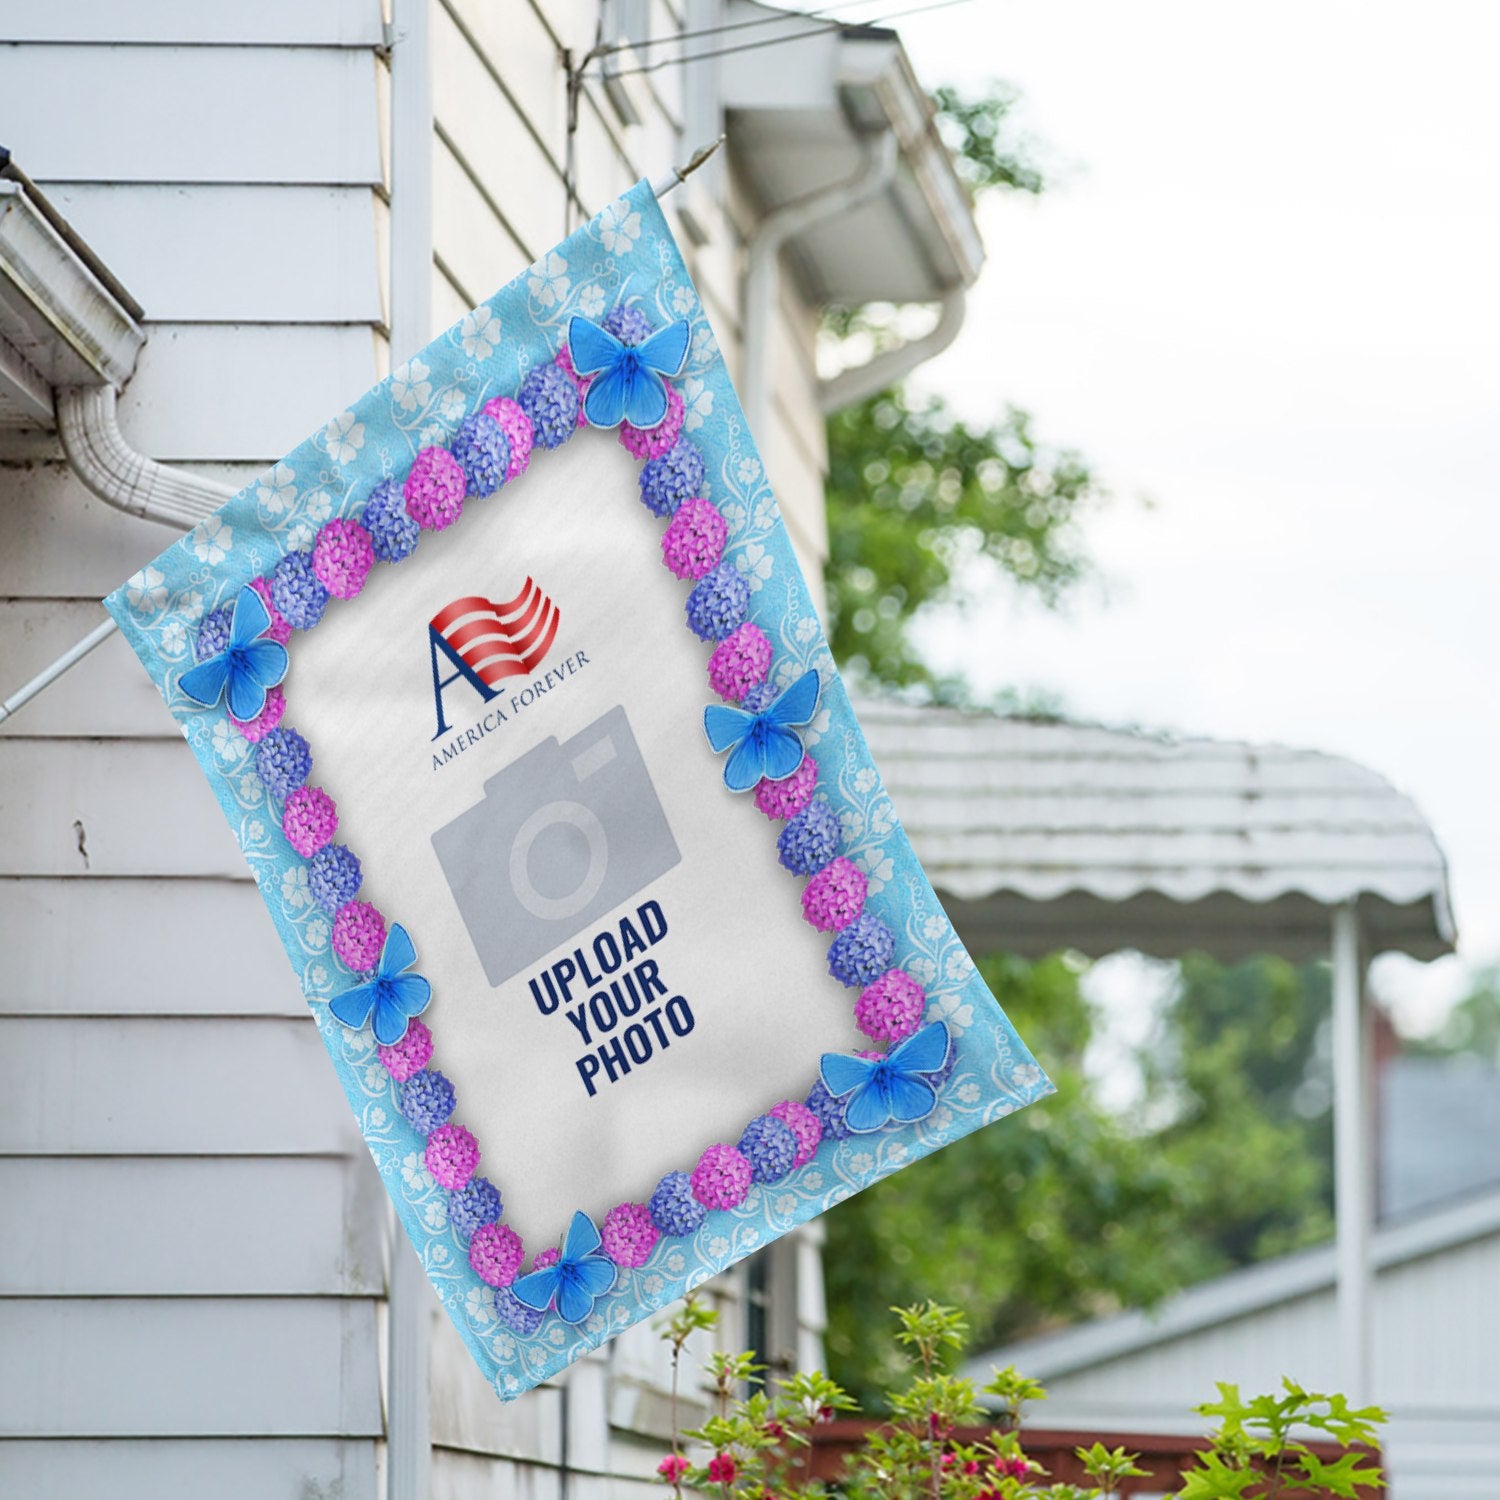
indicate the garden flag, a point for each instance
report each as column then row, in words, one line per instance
column 514, row 696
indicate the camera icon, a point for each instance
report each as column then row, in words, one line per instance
column 564, row 834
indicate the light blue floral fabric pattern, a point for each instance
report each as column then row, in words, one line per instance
column 626, row 253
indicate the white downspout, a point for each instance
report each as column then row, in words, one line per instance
column 762, row 268
column 863, row 381
column 99, row 455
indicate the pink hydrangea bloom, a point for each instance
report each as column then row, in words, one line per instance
column 309, row 820
column 410, row 1055
column 652, row 442
column 278, row 630
column 835, row 896
column 564, row 362
column 628, row 1234
column 452, row 1155
column 722, row 1178
column 890, row 1010
column 256, row 729
column 358, row 935
column 693, row 544
column 435, row 489
column 739, row 661
column 516, row 425
column 496, row 1254
column 787, row 797
column 544, row 1258
column 806, row 1126
column 342, row 558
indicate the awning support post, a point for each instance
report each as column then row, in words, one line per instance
column 1352, row 1171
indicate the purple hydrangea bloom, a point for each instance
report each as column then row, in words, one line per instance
column 515, row 1314
column 394, row 534
column 283, row 761
column 549, row 397
column 770, row 1146
column 810, row 839
column 427, row 1100
column 830, row 1110
column 862, row 952
column 477, row 1204
column 483, row 451
column 334, row 876
column 628, row 324
column 759, row 698
column 718, row 603
column 673, row 1208
column 673, row 478
column 213, row 633
column 296, row 591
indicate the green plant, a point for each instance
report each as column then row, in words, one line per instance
column 931, row 1446
column 1253, row 1450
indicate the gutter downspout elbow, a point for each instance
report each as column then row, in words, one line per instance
column 120, row 476
column 762, row 269
column 852, row 386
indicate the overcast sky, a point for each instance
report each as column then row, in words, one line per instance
column 1264, row 294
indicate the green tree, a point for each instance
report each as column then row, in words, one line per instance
column 926, row 509
column 1071, row 1211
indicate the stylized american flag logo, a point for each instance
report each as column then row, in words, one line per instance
column 500, row 640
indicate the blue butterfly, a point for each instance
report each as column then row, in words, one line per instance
column 763, row 744
column 891, row 1087
column 247, row 667
column 577, row 1279
column 627, row 384
column 393, row 996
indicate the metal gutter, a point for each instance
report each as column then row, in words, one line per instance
column 763, row 270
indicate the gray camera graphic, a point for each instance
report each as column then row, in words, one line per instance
column 563, row 835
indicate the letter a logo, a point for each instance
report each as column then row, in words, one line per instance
column 485, row 642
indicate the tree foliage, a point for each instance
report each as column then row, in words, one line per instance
column 1070, row 1211
column 917, row 498
column 926, row 508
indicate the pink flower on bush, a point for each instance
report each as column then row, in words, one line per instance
column 410, row 1055
column 435, row 489
column 673, row 1467
column 786, row 798
column 342, row 558
column 693, row 544
column 722, row 1178
column 722, row 1469
column 358, row 935
column 835, row 896
column 452, row 1155
column 309, row 820
column 739, row 661
column 628, row 1235
column 890, row 1010
column 496, row 1254
column 652, row 442
column 256, row 729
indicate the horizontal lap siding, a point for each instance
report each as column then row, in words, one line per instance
column 192, row 1261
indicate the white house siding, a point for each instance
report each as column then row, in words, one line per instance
column 194, row 1248
column 1436, row 1364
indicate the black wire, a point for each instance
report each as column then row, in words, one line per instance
column 776, row 41
column 688, row 36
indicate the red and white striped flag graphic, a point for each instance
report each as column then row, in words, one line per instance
column 500, row 640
